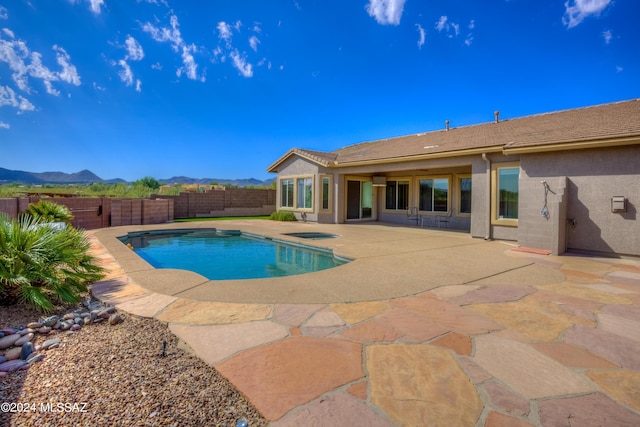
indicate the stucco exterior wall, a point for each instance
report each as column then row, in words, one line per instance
column 593, row 177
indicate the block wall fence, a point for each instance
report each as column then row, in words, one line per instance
column 101, row 212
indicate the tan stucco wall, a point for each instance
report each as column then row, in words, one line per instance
column 592, row 178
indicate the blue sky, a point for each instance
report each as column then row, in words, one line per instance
column 222, row 89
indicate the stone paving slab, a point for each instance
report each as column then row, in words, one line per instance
column 527, row 371
column 421, row 385
column 147, row 305
column 619, row 350
column 622, row 385
column 218, row 342
column 207, row 312
column 338, row 410
column 592, row 410
column 281, row 376
column 620, row 326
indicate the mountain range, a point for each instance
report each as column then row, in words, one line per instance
column 8, row 176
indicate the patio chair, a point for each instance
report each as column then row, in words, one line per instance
column 412, row 214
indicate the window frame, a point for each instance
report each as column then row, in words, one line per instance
column 459, row 178
column 283, row 192
column 495, row 194
column 295, row 179
column 307, row 190
column 433, row 212
column 406, row 180
column 329, row 193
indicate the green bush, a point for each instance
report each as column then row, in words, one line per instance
column 40, row 263
column 283, row 216
column 50, row 212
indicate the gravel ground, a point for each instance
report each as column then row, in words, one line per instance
column 116, row 376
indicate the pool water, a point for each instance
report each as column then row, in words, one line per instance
column 226, row 255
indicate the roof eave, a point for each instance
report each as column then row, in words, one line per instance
column 439, row 155
column 299, row 153
column 574, row 145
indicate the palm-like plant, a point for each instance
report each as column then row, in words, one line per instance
column 50, row 212
column 40, row 263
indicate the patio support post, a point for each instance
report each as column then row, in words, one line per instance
column 487, row 234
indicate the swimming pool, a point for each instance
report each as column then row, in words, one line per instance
column 228, row 254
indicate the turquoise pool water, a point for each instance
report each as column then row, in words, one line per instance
column 225, row 255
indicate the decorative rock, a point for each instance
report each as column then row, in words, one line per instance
column 24, row 339
column 12, row 365
column 85, row 315
column 75, row 327
column 44, row 330
column 1, row 334
column 8, row 341
column 68, row 316
column 50, row 321
column 48, row 343
column 8, row 331
column 2, row 358
column 78, row 321
column 35, row 325
column 26, row 350
column 26, row 331
column 66, row 325
column 13, row 353
column 35, row 357
column 98, row 320
column 115, row 319
column 106, row 313
column 57, row 325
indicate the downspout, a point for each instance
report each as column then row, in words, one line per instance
column 487, row 234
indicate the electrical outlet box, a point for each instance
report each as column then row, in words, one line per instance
column 618, row 204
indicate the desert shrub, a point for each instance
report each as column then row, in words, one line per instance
column 40, row 263
column 283, row 216
column 47, row 211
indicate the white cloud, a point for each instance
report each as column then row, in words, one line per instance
column 94, row 5
column 3, row 13
column 138, row 85
column 580, row 9
column 441, row 24
column 134, row 49
column 9, row 33
column 4, row 125
column 25, row 64
column 156, row 66
column 472, row 24
column 254, row 42
column 386, row 11
column 69, row 72
column 9, row 98
column 422, row 36
column 607, row 36
column 241, row 64
column 173, row 36
column 619, row 69
column 126, row 75
column 224, row 31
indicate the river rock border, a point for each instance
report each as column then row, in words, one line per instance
column 17, row 351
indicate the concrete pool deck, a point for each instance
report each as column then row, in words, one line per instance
column 423, row 327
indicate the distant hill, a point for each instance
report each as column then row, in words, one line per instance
column 39, row 178
column 220, row 181
column 8, row 176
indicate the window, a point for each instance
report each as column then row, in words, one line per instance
column 397, row 195
column 508, row 193
column 434, row 195
column 286, row 193
column 464, row 188
column 305, row 192
column 504, row 193
column 326, row 187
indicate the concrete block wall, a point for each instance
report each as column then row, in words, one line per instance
column 223, row 202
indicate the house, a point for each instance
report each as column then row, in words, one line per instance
column 555, row 181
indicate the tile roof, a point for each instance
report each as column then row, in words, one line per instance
column 554, row 130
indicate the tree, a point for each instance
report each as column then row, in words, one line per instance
column 148, row 182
